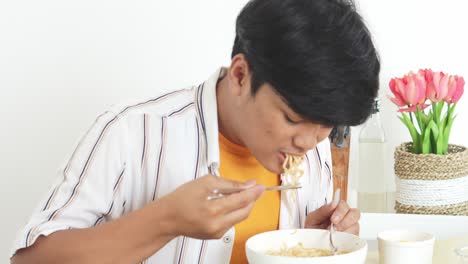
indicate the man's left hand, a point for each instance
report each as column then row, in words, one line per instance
column 344, row 218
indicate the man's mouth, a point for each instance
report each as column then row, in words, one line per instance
column 282, row 157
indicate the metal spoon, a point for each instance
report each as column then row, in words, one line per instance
column 334, row 249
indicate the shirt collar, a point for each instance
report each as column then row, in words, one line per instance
column 208, row 111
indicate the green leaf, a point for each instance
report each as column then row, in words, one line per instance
column 434, row 128
column 451, row 110
column 446, row 135
column 430, row 138
column 422, row 126
column 440, row 141
column 444, row 119
column 426, row 142
column 434, row 111
column 429, row 117
column 440, row 105
column 413, row 132
column 448, row 127
column 426, row 118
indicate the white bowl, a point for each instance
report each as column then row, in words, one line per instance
column 257, row 246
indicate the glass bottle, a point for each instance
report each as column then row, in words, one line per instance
column 373, row 186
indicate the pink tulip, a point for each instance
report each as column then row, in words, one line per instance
column 409, row 90
column 459, row 89
column 398, row 100
column 431, row 92
column 438, row 85
column 451, row 87
column 420, row 83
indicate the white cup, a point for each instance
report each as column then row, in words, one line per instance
column 405, row 246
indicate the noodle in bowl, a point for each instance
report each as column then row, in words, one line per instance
column 301, row 246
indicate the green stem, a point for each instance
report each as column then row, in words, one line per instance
column 440, row 106
column 448, row 127
column 431, row 135
column 411, row 116
column 434, row 111
column 413, row 132
column 440, row 141
column 422, row 126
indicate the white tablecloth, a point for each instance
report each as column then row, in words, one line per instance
column 450, row 232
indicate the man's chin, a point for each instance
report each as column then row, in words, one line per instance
column 278, row 169
column 272, row 166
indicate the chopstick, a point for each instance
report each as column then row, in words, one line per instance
column 224, row 192
column 283, row 187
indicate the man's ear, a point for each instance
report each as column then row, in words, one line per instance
column 239, row 75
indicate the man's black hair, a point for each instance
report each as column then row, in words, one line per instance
column 317, row 54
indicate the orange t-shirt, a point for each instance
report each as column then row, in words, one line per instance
column 237, row 163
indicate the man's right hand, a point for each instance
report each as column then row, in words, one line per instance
column 130, row 239
column 193, row 215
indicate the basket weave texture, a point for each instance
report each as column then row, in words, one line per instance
column 431, row 167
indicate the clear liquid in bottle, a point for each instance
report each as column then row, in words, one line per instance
column 373, row 192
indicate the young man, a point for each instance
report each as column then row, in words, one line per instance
column 136, row 187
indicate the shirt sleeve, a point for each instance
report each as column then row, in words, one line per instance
column 85, row 187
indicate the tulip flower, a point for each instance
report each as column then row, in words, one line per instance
column 451, row 86
column 409, row 90
column 430, row 130
column 458, row 90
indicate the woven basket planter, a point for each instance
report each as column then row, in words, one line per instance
column 431, row 184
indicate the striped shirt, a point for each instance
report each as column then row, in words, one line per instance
column 135, row 154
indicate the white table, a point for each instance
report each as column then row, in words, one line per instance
column 450, row 232
column 372, row 257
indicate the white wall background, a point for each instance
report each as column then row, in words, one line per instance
column 411, row 35
column 64, row 62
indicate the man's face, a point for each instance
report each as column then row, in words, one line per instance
column 270, row 129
